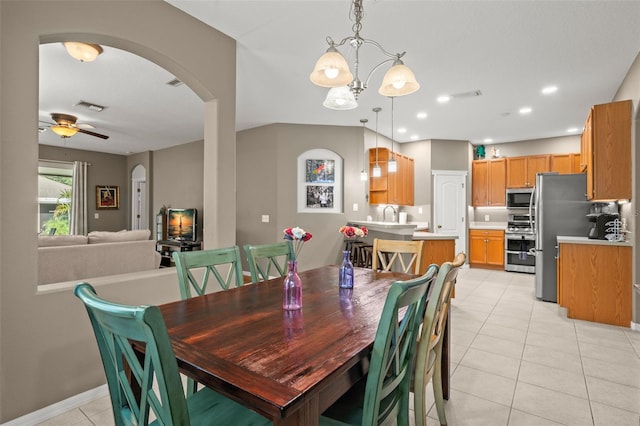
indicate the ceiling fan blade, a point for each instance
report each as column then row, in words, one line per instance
column 87, row 132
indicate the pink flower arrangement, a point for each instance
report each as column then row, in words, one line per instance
column 353, row 231
column 299, row 236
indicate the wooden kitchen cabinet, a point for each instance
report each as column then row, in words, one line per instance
column 488, row 180
column 566, row 163
column 486, row 248
column 391, row 188
column 594, row 282
column 521, row 171
column 606, row 151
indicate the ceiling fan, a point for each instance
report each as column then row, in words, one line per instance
column 65, row 126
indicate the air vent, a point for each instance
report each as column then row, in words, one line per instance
column 470, row 94
column 89, row 105
column 175, row 82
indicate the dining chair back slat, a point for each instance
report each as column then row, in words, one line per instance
column 386, row 391
column 224, row 264
column 389, row 255
column 429, row 350
column 267, row 261
column 152, row 377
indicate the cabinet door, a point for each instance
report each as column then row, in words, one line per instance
column 495, row 248
column 562, row 163
column 536, row 164
column 517, row 172
column 611, row 156
column 410, row 181
column 576, row 166
column 497, row 182
column 477, row 247
column 480, row 183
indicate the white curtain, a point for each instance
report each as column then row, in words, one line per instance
column 78, row 222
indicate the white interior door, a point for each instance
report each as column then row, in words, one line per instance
column 139, row 198
column 449, row 205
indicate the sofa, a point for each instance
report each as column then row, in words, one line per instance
column 100, row 253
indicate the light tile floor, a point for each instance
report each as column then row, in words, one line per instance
column 516, row 361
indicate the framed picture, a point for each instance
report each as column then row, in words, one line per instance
column 319, row 182
column 107, row 197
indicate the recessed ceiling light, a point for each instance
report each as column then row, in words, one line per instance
column 402, row 130
column 487, row 140
column 525, row 110
column 414, row 137
column 444, row 98
column 549, row 90
column 572, row 129
column 421, row 115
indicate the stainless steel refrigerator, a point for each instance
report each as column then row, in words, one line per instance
column 561, row 207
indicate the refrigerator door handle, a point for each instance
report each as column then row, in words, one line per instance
column 557, row 252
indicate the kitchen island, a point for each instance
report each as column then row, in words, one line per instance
column 594, row 280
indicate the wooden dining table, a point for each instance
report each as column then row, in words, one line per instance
column 288, row 366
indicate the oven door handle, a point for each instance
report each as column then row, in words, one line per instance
column 528, row 253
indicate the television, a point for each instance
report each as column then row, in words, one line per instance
column 181, row 224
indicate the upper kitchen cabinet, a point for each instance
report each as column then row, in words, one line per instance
column 488, row 178
column 606, row 151
column 521, row 171
column 566, row 163
column 391, row 188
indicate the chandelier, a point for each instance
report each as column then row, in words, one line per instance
column 332, row 69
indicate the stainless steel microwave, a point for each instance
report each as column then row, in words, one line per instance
column 519, row 198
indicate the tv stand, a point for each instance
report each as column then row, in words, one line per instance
column 167, row 247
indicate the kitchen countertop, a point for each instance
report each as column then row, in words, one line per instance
column 585, row 240
column 390, row 227
column 497, row 226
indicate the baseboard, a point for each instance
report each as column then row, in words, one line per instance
column 58, row 408
column 635, row 326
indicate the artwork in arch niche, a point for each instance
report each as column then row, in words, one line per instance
column 182, row 224
column 319, row 182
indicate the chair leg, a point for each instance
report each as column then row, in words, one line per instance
column 437, row 390
column 419, row 403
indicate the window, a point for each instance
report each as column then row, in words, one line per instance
column 54, row 197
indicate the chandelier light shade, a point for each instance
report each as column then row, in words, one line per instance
column 364, row 176
column 399, row 81
column 64, row 131
column 340, row 98
column 83, row 52
column 332, row 69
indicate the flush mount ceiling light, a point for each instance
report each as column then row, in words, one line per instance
column 83, row 52
column 332, row 69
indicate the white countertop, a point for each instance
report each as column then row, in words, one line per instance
column 390, row 227
column 585, row 240
column 498, row 226
column 419, row 235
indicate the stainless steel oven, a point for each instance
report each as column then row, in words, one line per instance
column 519, row 252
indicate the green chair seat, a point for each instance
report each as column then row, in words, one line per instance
column 156, row 374
column 384, row 395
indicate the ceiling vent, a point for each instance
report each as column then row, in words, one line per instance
column 89, row 105
column 175, row 82
column 470, row 94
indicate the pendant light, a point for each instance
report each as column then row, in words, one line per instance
column 392, row 166
column 377, row 172
column 364, row 176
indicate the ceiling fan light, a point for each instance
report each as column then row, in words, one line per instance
column 64, row 131
column 83, row 52
column 398, row 81
column 340, row 98
column 331, row 70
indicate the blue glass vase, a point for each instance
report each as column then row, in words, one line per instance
column 346, row 271
column 292, row 288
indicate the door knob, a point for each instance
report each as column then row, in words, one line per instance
column 439, row 226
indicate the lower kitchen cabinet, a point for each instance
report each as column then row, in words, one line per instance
column 486, row 248
column 594, row 282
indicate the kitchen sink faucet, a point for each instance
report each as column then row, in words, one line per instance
column 384, row 214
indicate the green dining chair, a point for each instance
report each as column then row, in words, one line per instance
column 384, row 395
column 216, row 262
column 268, row 260
column 156, row 375
column 429, row 350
